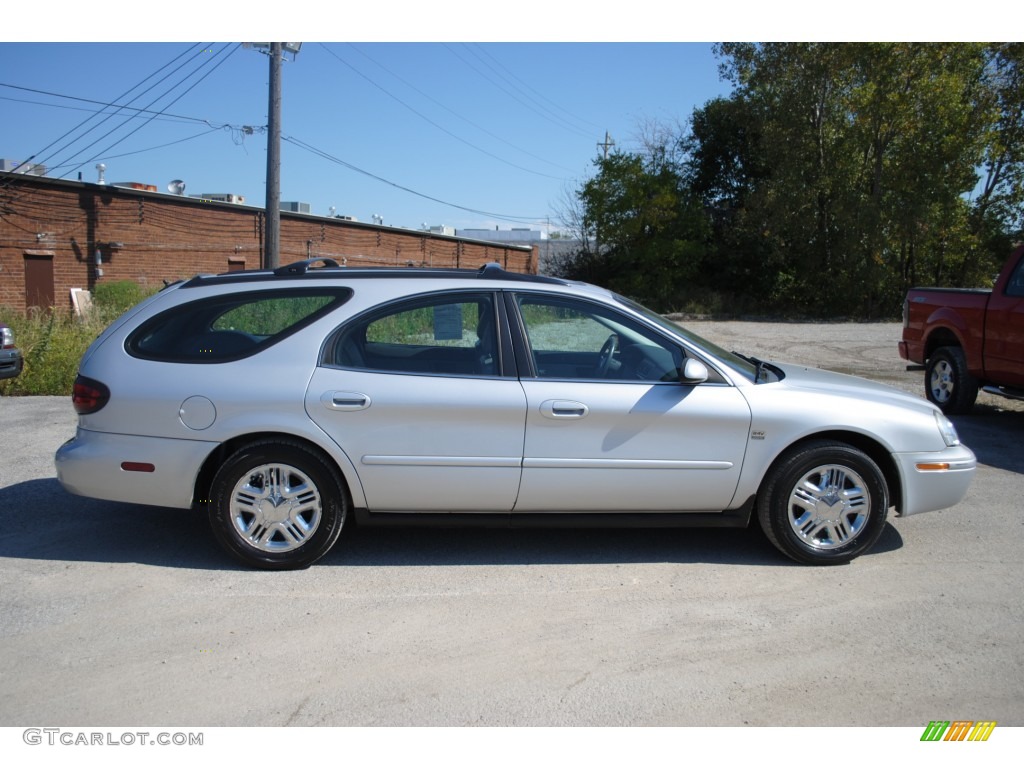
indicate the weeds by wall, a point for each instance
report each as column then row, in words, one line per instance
column 53, row 342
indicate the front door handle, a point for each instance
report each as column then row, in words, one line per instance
column 563, row 409
column 345, row 401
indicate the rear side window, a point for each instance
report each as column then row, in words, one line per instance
column 233, row 326
column 445, row 335
column 1015, row 286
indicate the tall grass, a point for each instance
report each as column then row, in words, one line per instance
column 53, row 342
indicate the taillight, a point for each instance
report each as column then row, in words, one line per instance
column 89, row 395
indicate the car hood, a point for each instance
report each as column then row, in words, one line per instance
column 802, row 377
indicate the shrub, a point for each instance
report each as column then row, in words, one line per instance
column 53, row 342
column 113, row 299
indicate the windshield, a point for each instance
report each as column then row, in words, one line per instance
column 737, row 363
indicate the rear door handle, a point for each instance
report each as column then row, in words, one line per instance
column 563, row 409
column 345, row 401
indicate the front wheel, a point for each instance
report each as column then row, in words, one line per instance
column 823, row 503
column 947, row 382
column 277, row 505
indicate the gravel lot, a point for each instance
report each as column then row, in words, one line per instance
column 115, row 614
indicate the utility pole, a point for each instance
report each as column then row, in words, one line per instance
column 608, row 144
column 272, row 214
column 272, row 244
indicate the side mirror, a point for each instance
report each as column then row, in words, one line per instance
column 693, row 372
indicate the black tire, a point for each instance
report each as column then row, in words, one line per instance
column 947, row 382
column 823, row 503
column 277, row 505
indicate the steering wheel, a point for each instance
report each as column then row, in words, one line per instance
column 609, row 349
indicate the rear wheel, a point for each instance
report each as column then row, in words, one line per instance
column 823, row 503
column 277, row 505
column 947, row 381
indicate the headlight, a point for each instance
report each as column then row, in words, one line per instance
column 947, row 430
column 6, row 337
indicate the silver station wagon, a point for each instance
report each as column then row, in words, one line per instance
column 289, row 403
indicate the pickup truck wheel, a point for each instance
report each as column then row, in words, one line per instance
column 947, row 381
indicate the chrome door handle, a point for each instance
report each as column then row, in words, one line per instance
column 345, row 401
column 563, row 409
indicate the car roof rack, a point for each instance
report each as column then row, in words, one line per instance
column 331, row 269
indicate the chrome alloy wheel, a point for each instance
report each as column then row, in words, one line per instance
column 941, row 382
column 829, row 506
column 275, row 508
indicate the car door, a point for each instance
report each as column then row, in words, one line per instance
column 1004, row 332
column 415, row 394
column 609, row 427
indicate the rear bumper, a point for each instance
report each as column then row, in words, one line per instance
column 913, row 352
column 934, row 481
column 90, row 464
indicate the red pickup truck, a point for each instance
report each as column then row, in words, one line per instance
column 967, row 338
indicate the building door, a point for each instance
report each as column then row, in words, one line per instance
column 39, row 290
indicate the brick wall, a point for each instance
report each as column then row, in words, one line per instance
column 150, row 237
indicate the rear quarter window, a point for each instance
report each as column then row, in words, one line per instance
column 233, row 326
column 1015, row 285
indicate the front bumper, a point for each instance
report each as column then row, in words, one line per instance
column 11, row 363
column 936, row 480
column 91, row 464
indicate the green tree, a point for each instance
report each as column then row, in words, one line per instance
column 866, row 154
column 645, row 231
column 997, row 213
column 834, row 177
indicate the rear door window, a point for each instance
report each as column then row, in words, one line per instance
column 445, row 335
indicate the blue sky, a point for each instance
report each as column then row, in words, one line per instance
column 418, row 125
column 499, row 128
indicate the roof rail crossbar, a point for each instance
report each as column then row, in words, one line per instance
column 491, row 269
column 301, row 267
column 494, row 271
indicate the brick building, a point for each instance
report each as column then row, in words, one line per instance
column 58, row 235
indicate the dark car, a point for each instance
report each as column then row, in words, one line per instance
column 11, row 361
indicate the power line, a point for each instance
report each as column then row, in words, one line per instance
column 99, row 112
column 436, row 125
column 456, row 114
column 533, row 90
column 238, row 132
column 107, row 104
column 327, row 156
column 529, row 104
column 157, row 114
column 207, row 132
column 174, row 101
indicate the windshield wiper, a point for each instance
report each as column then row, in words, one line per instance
column 758, row 365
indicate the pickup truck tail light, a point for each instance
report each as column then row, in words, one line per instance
column 89, row 395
